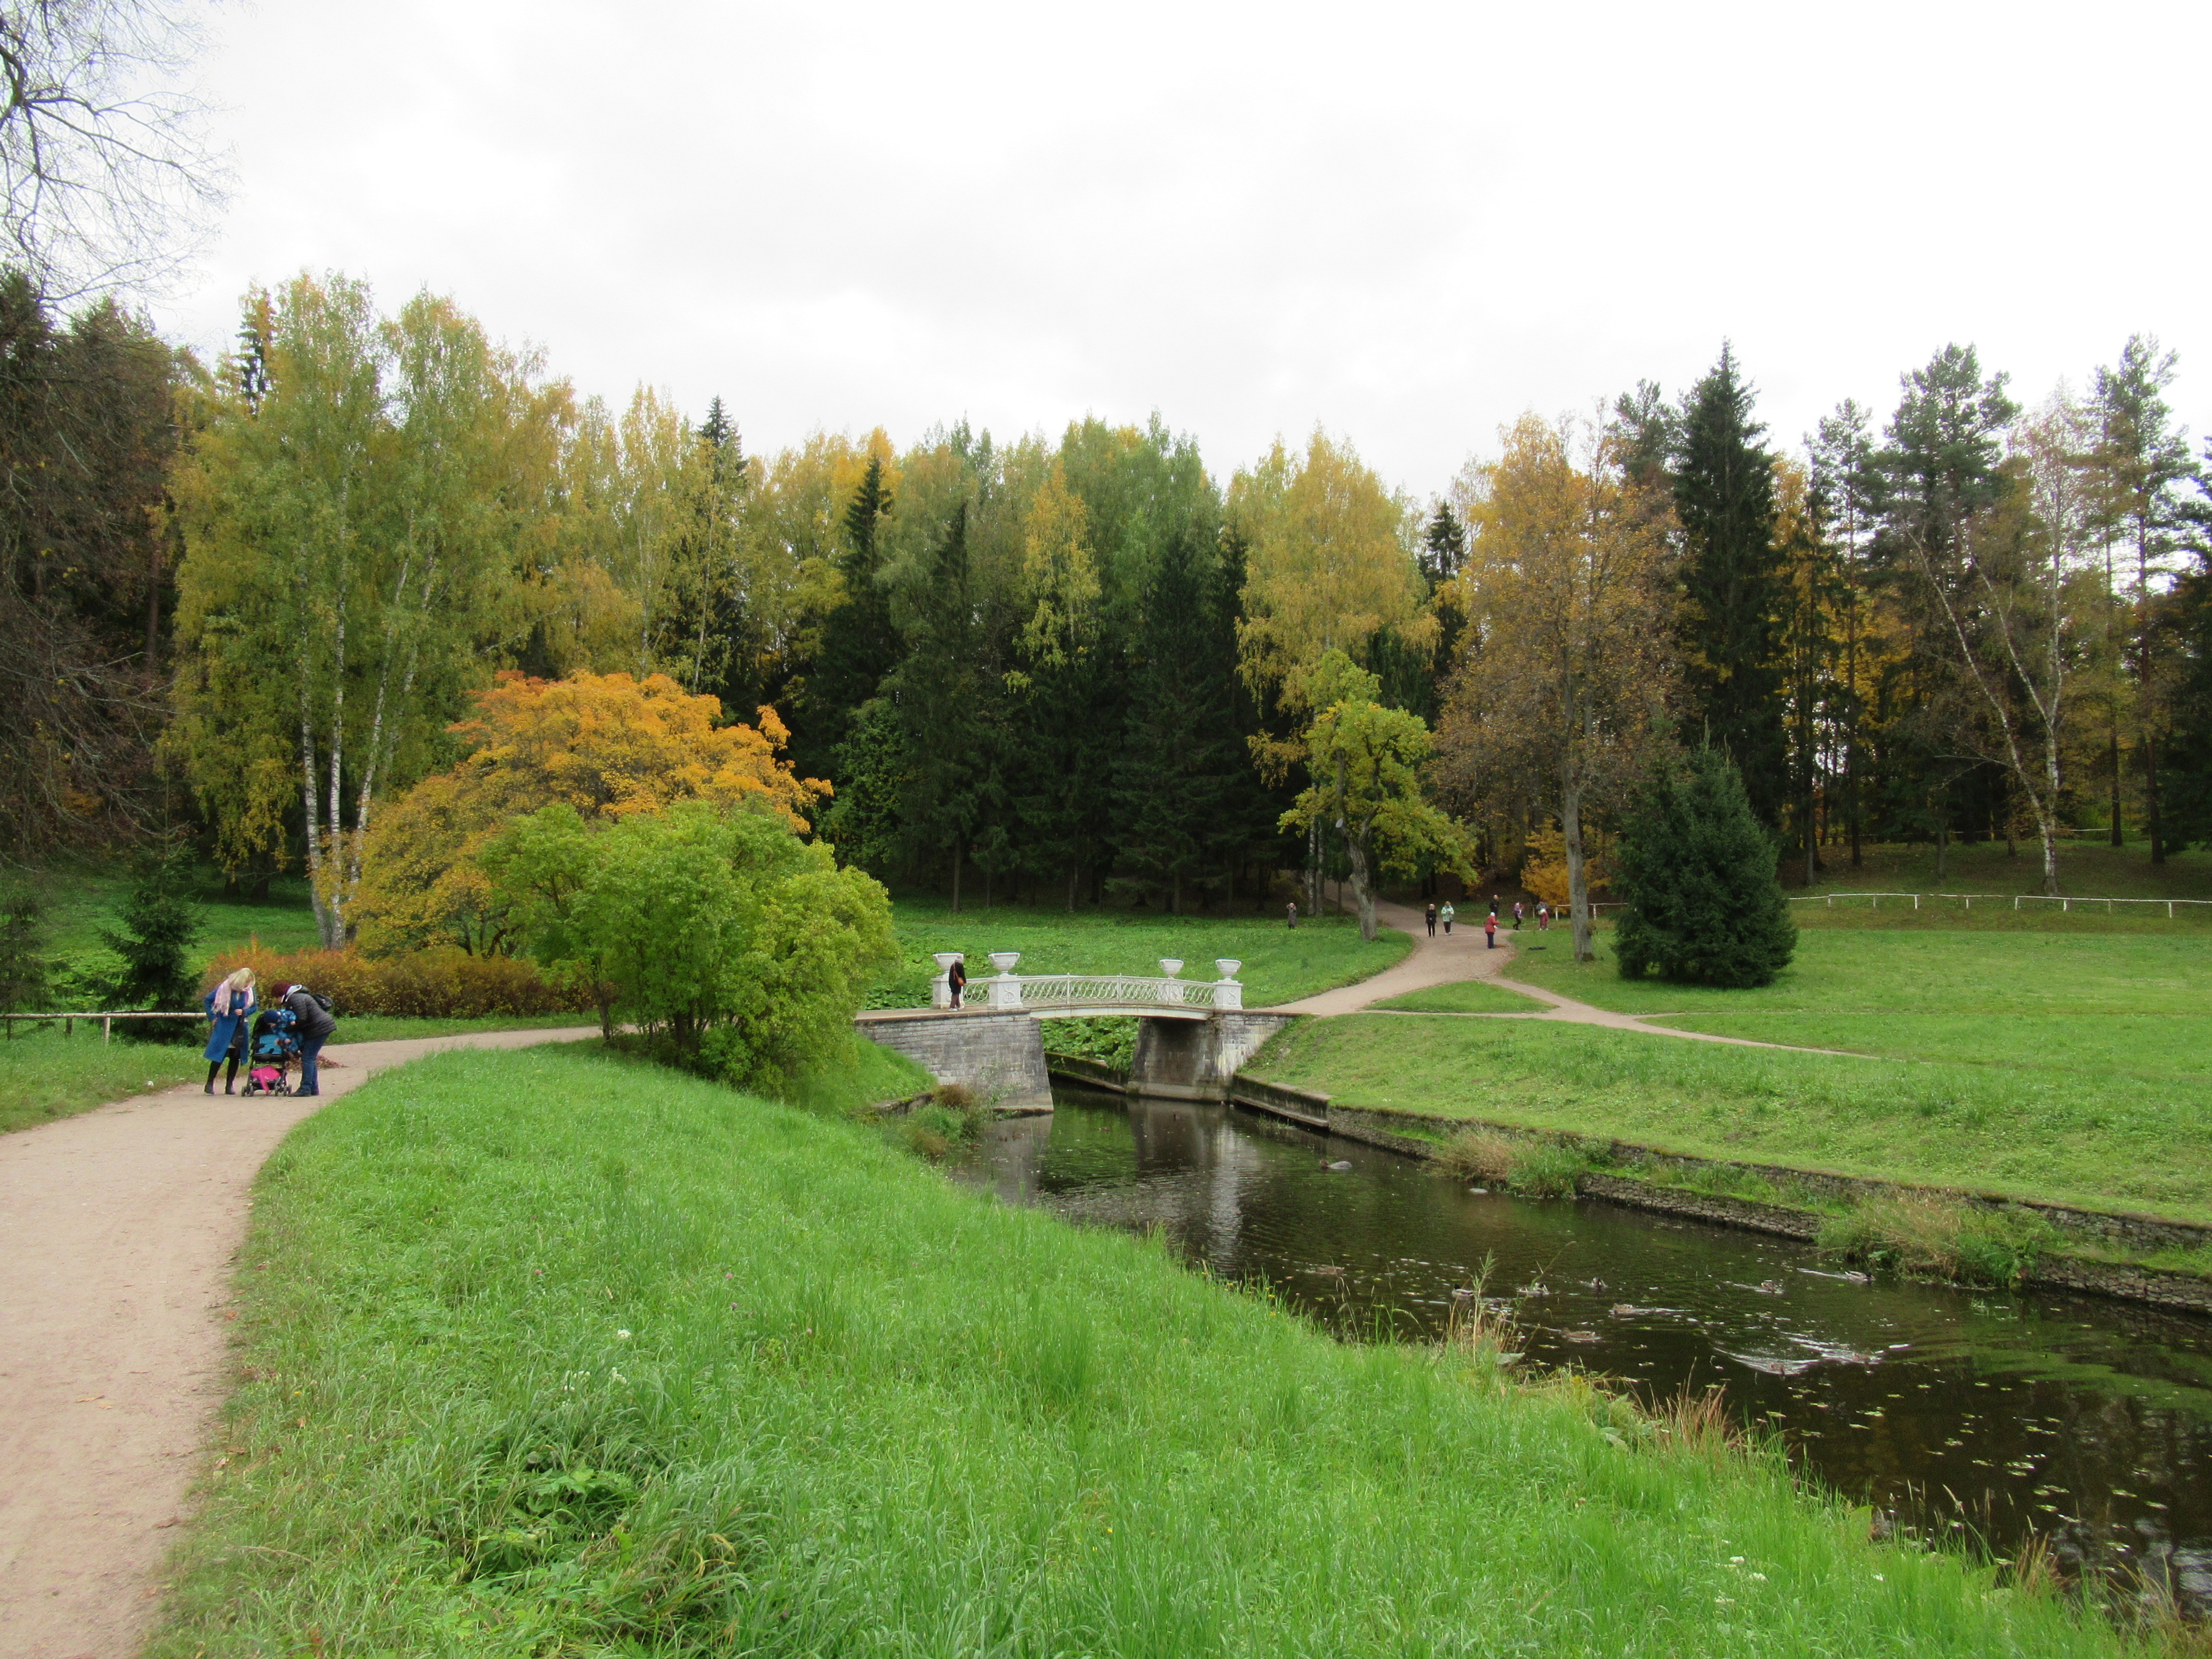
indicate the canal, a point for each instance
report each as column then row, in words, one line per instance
column 2085, row 1421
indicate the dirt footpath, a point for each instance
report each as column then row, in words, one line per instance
column 117, row 1230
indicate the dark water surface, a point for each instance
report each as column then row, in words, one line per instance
column 2085, row 1420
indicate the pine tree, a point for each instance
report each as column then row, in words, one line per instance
column 25, row 972
column 1696, row 869
column 1733, row 584
column 1178, row 761
column 938, row 692
column 860, row 643
column 1443, row 546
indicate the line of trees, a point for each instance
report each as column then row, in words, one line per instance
column 256, row 596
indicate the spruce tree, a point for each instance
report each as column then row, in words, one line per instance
column 160, row 923
column 1179, row 757
column 1733, row 587
column 1697, row 869
column 860, row 643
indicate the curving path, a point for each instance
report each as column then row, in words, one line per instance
column 1461, row 956
column 117, row 1230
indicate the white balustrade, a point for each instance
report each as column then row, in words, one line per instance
column 1011, row 993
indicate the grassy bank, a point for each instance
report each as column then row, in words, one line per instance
column 1281, row 963
column 45, row 1074
column 2074, row 1136
column 548, row 1352
column 2115, row 1015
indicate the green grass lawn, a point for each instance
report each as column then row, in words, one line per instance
column 1470, row 996
column 1281, row 963
column 545, row 1353
column 2087, row 866
column 2032, row 1128
column 45, row 1074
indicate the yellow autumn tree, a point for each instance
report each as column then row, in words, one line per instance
column 1329, row 562
column 606, row 744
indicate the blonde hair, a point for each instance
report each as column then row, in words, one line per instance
column 235, row 991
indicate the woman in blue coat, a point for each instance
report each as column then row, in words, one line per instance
column 228, row 1007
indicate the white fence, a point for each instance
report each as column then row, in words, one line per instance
column 1012, row 992
column 2063, row 901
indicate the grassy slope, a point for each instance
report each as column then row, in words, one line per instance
column 548, row 1353
column 1281, row 965
column 1472, row 996
column 2028, row 1131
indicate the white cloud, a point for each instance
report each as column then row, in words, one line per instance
column 1409, row 222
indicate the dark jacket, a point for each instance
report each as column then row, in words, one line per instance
column 315, row 1021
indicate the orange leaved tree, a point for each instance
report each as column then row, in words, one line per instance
column 606, row 744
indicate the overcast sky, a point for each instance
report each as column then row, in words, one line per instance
column 1406, row 222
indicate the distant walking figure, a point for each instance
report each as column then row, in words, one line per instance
column 1444, row 915
column 955, row 981
column 1489, row 932
column 1516, row 915
column 1543, row 918
column 1294, row 912
column 1432, row 918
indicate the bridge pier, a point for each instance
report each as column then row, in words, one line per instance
column 1197, row 1059
column 1000, row 1057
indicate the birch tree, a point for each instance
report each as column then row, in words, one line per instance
column 350, row 516
column 2013, row 584
column 1566, row 661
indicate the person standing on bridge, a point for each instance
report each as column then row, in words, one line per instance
column 955, row 981
column 1432, row 918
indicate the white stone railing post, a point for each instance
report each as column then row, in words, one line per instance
column 940, row 988
column 1228, row 994
column 1006, row 990
column 1172, row 991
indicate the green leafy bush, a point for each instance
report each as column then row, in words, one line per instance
column 741, row 950
column 1696, row 871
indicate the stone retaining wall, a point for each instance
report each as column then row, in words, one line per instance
column 999, row 1056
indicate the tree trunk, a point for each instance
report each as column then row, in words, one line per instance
column 1570, row 830
column 2112, row 751
column 1363, row 889
column 2155, row 821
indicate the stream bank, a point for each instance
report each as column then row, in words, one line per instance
column 2099, row 1252
column 1991, row 1415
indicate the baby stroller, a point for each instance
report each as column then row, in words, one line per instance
column 276, row 1053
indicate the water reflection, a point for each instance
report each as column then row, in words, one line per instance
column 2085, row 1420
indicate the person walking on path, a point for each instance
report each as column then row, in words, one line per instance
column 1444, row 915
column 1489, row 932
column 1516, row 915
column 316, row 1025
column 1431, row 918
column 227, row 1006
column 955, row 981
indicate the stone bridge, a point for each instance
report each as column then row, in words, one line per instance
column 1191, row 1037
